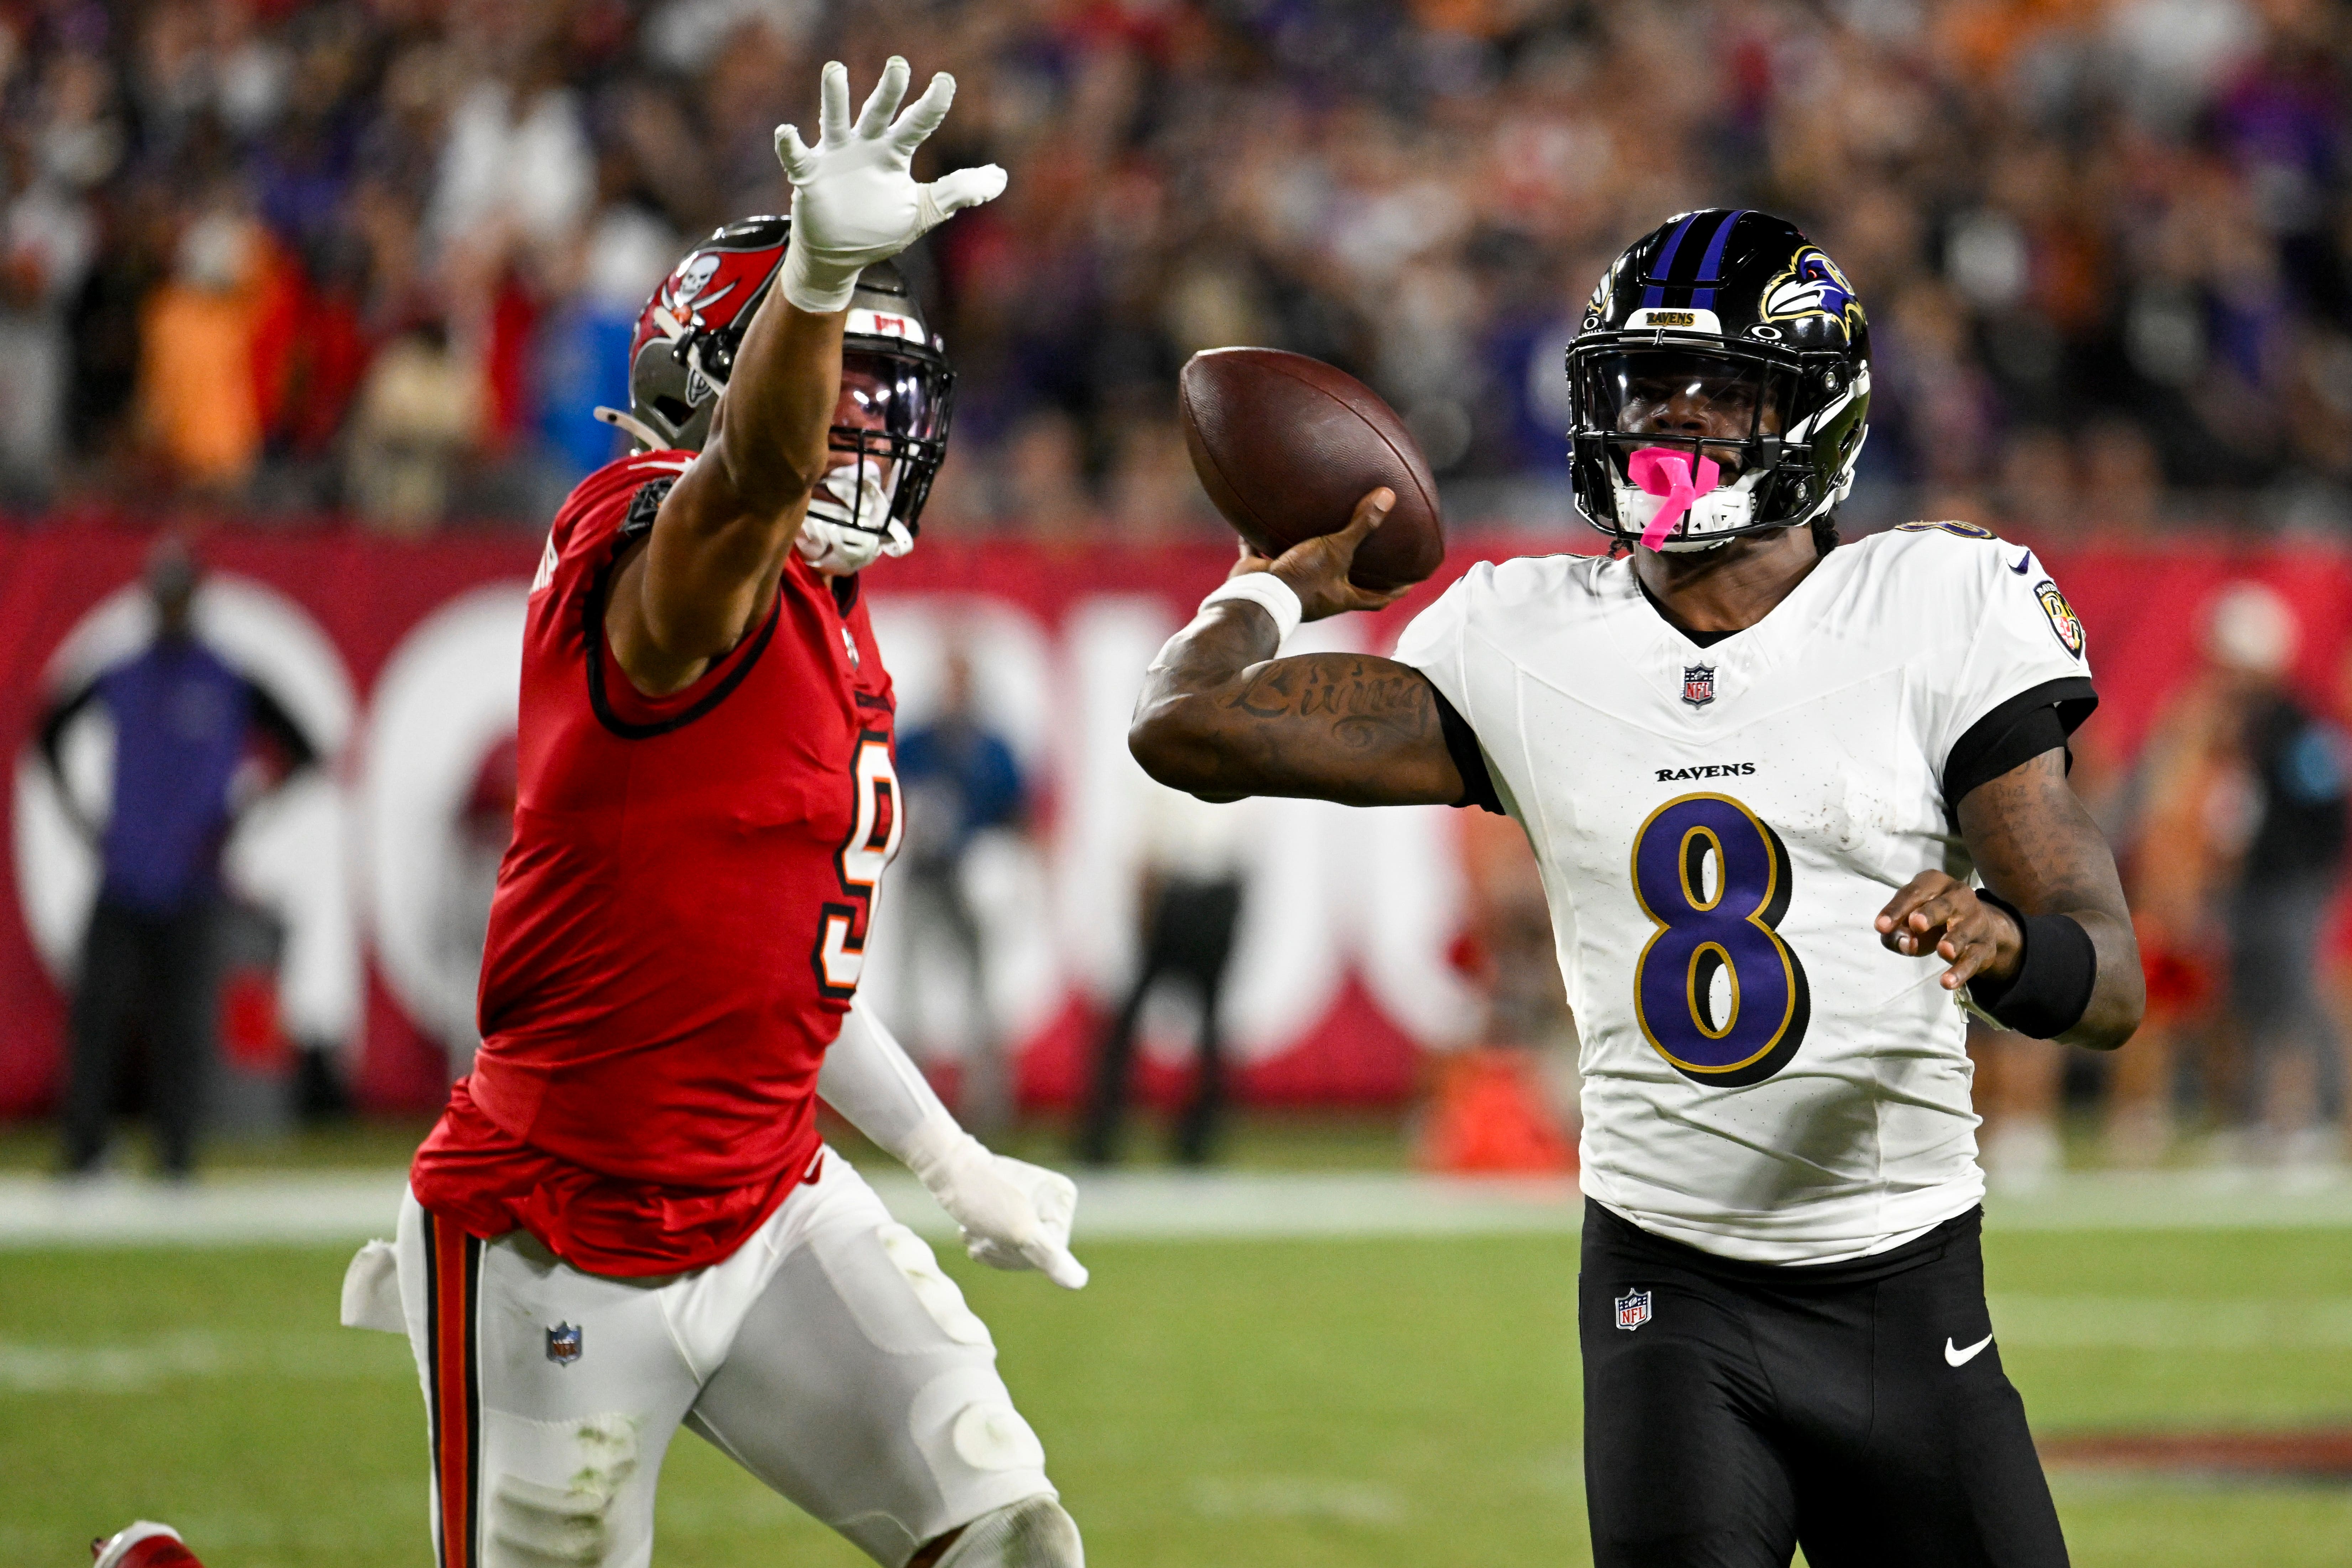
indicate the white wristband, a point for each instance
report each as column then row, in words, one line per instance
column 1269, row 593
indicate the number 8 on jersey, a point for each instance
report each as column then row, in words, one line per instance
column 1729, row 933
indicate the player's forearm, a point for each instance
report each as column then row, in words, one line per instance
column 1179, row 733
column 869, row 1077
column 2038, row 847
column 1221, row 718
column 770, row 435
column 725, row 525
column 2119, row 994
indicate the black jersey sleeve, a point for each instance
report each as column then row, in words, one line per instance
column 1462, row 745
column 2037, row 719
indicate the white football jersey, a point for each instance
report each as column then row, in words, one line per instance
column 1717, row 829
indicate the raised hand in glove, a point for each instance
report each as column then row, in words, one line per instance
column 1013, row 1214
column 853, row 200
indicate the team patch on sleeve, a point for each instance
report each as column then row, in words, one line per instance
column 2063, row 618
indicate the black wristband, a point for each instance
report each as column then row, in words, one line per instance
column 2056, row 968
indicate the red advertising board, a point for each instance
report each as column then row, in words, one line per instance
column 393, row 648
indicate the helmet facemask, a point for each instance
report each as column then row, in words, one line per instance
column 887, row 439
column 1721, row 414
column 1739, row 407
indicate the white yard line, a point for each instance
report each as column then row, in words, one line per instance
column 245, row 1209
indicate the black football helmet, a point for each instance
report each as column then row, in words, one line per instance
column 896, row 368
column 1736, row 312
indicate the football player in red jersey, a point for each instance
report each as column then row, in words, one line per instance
column 625, row 1220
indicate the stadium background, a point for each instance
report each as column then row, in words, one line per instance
column 331, row 289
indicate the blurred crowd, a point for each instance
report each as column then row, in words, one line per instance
column 381, row 257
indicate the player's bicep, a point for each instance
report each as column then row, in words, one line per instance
column 2035, row 843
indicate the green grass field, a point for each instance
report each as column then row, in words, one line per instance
column 1297, row 1402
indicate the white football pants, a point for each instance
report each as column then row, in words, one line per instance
column 828, row 1355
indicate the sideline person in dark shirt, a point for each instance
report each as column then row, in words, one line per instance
column 2280, row 908
column 2287, row 875
column 183, row 723
column 961, row 779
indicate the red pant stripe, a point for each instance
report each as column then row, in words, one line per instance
column 452, row 1291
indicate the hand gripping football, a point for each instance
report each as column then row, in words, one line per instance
column 1286, row 445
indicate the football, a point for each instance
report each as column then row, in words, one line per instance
column 1286, row 445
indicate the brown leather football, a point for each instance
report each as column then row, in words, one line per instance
column 1286, row 445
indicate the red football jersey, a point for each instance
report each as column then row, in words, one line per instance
column 680, row 919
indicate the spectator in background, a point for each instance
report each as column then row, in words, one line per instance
column 1190, row 903
column 2123, row 483
column 1152, row 493
column 1044, row 479
column 2124, row 213
column 961, row 781
column 198, row 403
column 2189, row 802
column 419, row 416
column 184, row 722
column 45, row 240
column 2285, row 882
column 2037, row 496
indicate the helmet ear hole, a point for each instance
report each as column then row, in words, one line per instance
column 673, row 410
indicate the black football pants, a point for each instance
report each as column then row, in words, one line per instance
column 156, row 969
column 1749, row 1408
column 1191, row 939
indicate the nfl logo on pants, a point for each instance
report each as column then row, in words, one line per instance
column 1632, row 1310
column 563, row 1343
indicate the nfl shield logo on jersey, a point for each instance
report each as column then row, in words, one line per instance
column 563, row 1345
column 1698, row 684
column 1632, row 1310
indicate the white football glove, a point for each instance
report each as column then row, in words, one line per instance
column 854, row 201
column 1013, row 1214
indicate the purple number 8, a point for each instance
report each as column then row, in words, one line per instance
column 1704, row 933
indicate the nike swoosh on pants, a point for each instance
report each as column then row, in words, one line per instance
column 1963, row 1358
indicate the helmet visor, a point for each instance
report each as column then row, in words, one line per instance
column 1683, row 396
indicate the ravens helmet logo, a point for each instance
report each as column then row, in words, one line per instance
column 1812, row 286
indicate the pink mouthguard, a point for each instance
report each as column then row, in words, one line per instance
column 1663, row 471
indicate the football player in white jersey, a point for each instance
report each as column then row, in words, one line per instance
column 1794, row 805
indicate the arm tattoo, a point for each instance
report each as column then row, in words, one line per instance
column 2029, row 826
column 1365, row 699
column 1220, row 717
